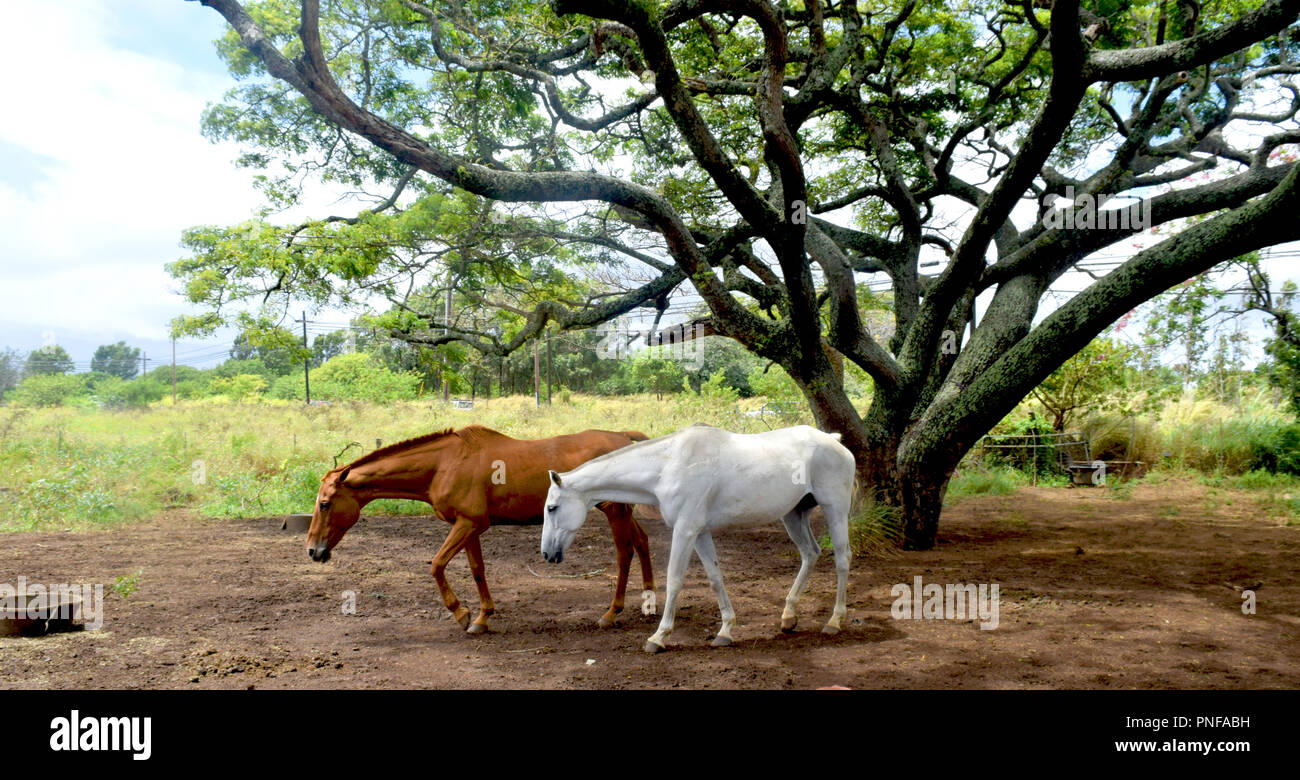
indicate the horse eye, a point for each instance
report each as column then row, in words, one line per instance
column 552, row 508
column 324, row 505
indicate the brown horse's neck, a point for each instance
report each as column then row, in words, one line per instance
column 404, row 474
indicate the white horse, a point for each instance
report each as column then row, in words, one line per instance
column 704, row 478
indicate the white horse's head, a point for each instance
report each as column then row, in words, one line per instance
column 566, row 511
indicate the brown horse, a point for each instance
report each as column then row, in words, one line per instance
column 475, row 478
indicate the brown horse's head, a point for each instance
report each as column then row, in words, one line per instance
column 337, row 509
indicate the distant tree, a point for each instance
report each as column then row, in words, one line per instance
column 728, row 356
column 236, row 366
column 278, row 349
column 117, row 359
column 1181, row 319
column 1284, row 348
column 1083, row 382
column 11, row 370
column 52, row 359
column 328, row 345
column 657, row 375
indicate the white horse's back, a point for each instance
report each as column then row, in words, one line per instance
column 753, row 478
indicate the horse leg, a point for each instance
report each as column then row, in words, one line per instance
column 837, row 520
column 457, row 538
column 709, row 558
column 641, row 543
column 678, row 557
column 619, row 516
column 799, row 528
column 486, row 608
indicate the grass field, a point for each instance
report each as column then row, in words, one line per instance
column 82, row 469
column 64, row 468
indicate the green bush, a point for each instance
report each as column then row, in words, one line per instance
column 48, row 389
column 239, row 386
column 1278, row 450
column 717, row 388
column 358, row 376
column 776, row 385
column 352, row 377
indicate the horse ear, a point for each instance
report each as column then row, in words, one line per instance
column 343, row 476
column 555, row 478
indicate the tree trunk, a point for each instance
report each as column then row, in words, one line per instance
column 896, row 463
column 917, row 491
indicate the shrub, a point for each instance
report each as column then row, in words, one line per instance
column 776, row 385
column 239, row 386
column 716, row 388
column 1278, row 450
column 48, row 389
column 875, row 528
column 355, row 376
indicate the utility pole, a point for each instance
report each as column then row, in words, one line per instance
column 548, row 367
column 144, row 363
column 537, row 375
column 306, row 361
column 446, row 319
column 173, row 371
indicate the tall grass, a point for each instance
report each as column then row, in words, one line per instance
column 84, row 468
column 79, row 468
column 1209, row 436
column 875, row 528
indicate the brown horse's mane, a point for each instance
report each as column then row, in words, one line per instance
column 471, row 431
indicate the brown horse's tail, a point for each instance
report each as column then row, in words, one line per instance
column 636, row 435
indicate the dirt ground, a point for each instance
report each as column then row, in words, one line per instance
column 1096, row 592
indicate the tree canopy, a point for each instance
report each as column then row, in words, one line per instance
column 50, row 359
column 116, row 359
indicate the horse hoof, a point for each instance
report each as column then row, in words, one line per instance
column 721, row 641
column 476, row 628
column 788, row 624
column 653, row 647
column 463, row 619
column 830, row 630
column 607, row 622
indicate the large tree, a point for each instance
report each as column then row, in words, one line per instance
column 774, row 155
column 11, row 369
column 49, row 359
column 116, row 359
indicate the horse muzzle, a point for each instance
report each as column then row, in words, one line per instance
column 320, row 553
column 553, row 557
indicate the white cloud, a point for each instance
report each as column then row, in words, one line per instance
column 124, row 170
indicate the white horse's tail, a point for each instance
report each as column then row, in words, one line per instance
column 855, row 497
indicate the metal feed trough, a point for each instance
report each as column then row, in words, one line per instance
column 41, row 614
column 296, row 523
column 1075, row 457
column 1071, row 452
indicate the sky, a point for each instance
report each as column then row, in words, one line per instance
column 102, row 166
